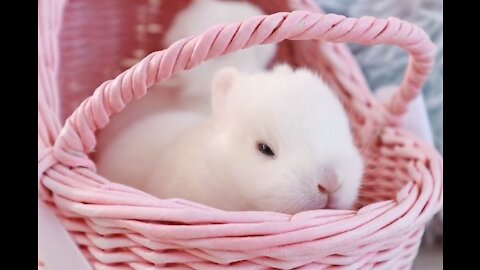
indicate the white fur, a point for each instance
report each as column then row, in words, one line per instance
column 198, row 17
column 127, row 147
column 217, row 163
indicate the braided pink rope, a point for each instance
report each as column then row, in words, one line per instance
column 122, row 228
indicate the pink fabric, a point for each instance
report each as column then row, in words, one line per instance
column 55, row 244
column 118, row 227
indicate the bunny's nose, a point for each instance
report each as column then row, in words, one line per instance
column 329, row 182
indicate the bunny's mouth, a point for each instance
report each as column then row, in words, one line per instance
column 332, row 206
column 322, row 203
column 331, row 203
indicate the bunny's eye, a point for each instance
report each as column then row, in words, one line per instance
column 265, row 149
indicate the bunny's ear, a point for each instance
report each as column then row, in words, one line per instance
column 221, row 86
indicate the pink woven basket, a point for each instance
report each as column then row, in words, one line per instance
column 86, row 221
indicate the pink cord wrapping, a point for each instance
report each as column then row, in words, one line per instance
column 117, row 226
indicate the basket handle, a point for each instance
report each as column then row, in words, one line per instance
column 77, row 137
